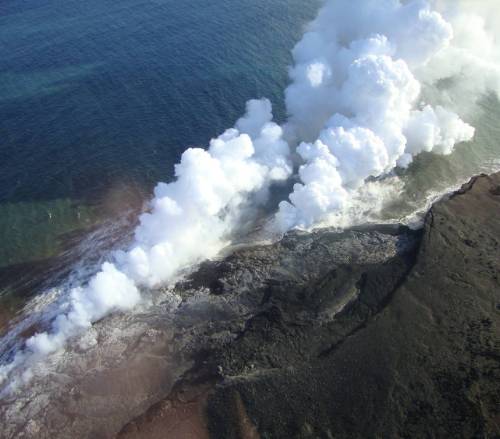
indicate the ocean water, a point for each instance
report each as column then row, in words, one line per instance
column 99, row 98
column 431, row 175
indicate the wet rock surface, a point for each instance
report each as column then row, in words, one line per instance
column 373, row 332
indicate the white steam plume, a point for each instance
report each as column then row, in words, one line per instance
column 469, row 67
column 356, row 112
column 189, row 220
column 355, row 98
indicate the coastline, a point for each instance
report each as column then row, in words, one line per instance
column 421, row 361
column 379, row 330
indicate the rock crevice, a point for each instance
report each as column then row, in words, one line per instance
column 373, row 332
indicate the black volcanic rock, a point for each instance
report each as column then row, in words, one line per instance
column 376, row 332
column 266, row 308
column 414, row 354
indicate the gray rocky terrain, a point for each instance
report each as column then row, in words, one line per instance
column 375, row 332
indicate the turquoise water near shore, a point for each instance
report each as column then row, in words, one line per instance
column 98, row 99
column 431, row 175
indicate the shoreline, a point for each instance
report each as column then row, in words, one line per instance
column 253, row 333
column 236, row 408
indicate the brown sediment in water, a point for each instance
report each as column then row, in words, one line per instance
column 22, row 281
column 117, row 206
column 6, row 315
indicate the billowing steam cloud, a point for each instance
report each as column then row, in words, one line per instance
column 355, row 101
column 356, row 112
column 469, row 67
column 188, row 221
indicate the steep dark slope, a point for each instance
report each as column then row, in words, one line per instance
column 376, row 332
column 426, row 365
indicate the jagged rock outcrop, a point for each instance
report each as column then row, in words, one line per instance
column 426, row 365
column 380, row 332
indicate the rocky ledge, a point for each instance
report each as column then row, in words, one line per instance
column 373, row 332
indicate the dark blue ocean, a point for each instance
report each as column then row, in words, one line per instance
column 99, row 98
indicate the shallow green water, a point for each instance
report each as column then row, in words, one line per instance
column 98, row 99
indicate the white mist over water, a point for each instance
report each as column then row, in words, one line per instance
column 357, row 101
column 356, row 112
column 188, row 221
